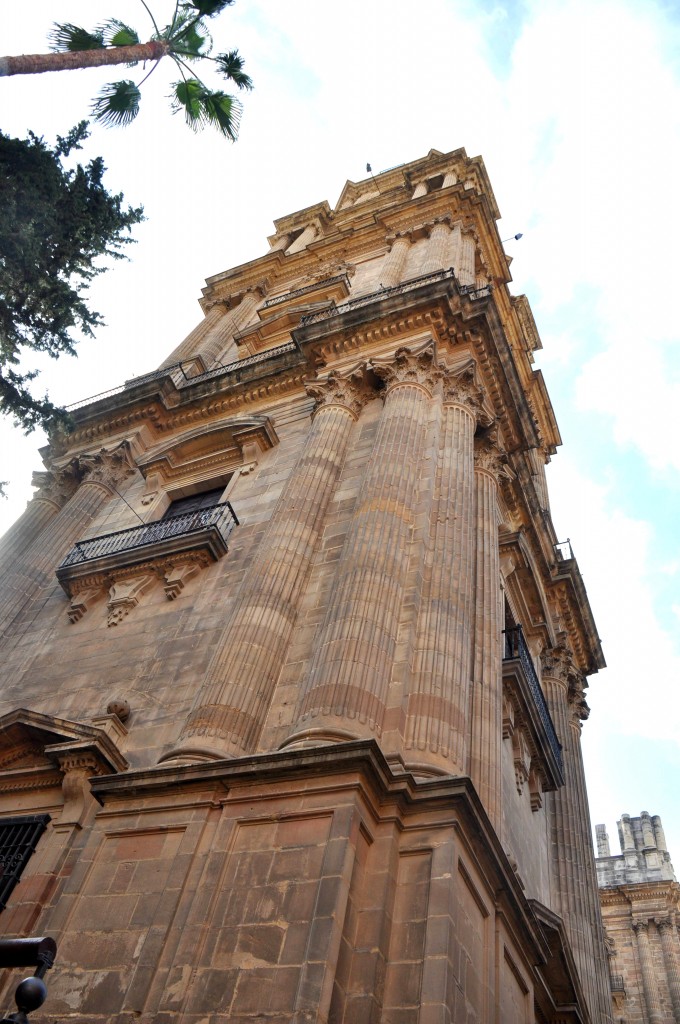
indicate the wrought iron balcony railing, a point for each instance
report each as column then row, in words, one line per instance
column 515, row 648
column 221, row 517
column 180, row 378
column 472, row 291
column 287, row 296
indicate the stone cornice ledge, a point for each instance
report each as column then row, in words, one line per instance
column 365, row 758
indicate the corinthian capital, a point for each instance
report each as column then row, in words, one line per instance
column 55, row 485
column 461, row 387
column 490, row 456
column 640, row 926
column 417, row 366
column 349, row 390
column 558, row 663
column 109, row 466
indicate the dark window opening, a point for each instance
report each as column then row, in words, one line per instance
column 194, row 503
column 18, row 839
column 435, row 183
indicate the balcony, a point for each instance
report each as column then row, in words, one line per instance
column 205, row 531
column 524, row 688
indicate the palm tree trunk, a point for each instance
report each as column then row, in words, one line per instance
column 36, row 63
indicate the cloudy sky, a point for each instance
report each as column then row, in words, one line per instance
column 575, row 108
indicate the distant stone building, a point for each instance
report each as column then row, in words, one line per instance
column 293, row 665
column 640, row 900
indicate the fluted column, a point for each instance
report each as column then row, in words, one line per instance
column 393, row 265
column 303, row 239
column 573, row 862
column 455, row 252
column 650, row 985
column 102, row 473
column 55, row 488
column 345, row 691
column 487, row 682
column 229, row 713
column 466, row 272
column 438, row 245
column 669, row 944
column 217, row 339
column 437, row 707
column 189, row 347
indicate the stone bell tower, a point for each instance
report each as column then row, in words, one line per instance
column 293, row 662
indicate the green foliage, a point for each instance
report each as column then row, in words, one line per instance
column 57, row 225
column 186, row 41
column 117, row 33
column 117, row 103
column 67, row 38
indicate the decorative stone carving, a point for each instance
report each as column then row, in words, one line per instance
column 535, row 788
column 557, row 662
column 522, row 758
column 491, row 458
column 81, row 600
column 417, row 366
column 56, row 485
column 461, row 388
column 349, row 390
column 178, row 574
column 119, row 707
column 109, row 467
column 124, row 595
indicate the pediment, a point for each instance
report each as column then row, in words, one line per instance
column 209, row 450
column 33, row 741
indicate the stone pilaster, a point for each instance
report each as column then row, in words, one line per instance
column 437, row 708
column 393, row 265
column 573, row 864
column 487, row 694
column 438, row 246
column 101, row 474
column 650, row 985
column 667, row 930
column 344, row 694
column 230, row 710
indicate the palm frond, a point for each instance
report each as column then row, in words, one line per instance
column 204, row 107
column 209, row 8
column 193, row 42
column 117, row 104
column 67, row 38
column 117, row 33
column 231, row 66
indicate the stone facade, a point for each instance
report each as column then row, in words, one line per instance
column 312, row 752
column 640, row 900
